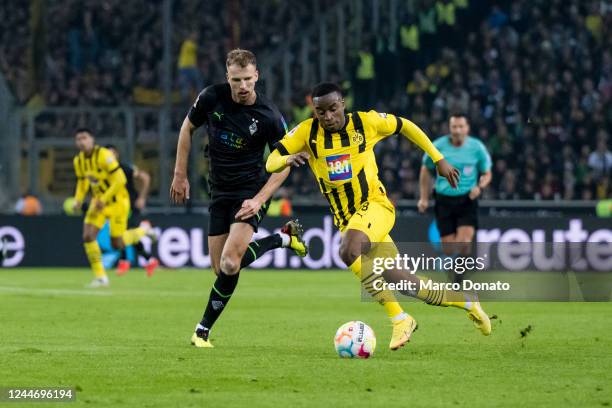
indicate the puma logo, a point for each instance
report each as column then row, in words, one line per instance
column 218, row 115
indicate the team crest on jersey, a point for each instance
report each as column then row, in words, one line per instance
column 253, row 126
column 358, row 138
column 339, row 167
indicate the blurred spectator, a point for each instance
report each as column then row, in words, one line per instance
column 365, row 80
column 600, row 160
column 535, row 76
column 189, row 75
column 280, row 205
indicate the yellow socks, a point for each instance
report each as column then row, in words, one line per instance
column 132, row 236
column 94, row 255
column 443, row 297
column 384, row 297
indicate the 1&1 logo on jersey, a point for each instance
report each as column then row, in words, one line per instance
column 339, row 167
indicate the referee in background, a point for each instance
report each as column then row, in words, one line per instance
column 456, row 209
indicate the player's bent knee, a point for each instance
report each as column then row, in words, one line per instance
column 349, row 253
column 88, row 236
column 230, row 265
column 117, row 243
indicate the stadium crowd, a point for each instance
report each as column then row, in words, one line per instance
column 534, row 77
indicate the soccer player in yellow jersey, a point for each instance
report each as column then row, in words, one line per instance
column 339, row 149
column 98, row 171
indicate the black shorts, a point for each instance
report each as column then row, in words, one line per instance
column 223, row 208
column 135, row 216
column 455, row 211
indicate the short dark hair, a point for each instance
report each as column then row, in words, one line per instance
column 82, row 130
column 240, row 57
column 459, row 115
column 325, row 88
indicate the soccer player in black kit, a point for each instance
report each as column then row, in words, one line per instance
column 240, row 123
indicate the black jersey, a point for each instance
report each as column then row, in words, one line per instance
column 238, row 135
column 129, row 169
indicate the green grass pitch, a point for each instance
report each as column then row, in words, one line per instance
column 129, row 345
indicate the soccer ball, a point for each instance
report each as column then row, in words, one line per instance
column 355, row 340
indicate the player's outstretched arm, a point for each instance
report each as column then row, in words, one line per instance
column 179, row 190
column 251, row 206
column 81, row 191
column 277, row 162
column 424, row 189
column 418, row 137
column 82, row 186
column 116, row 180
column 143, row 181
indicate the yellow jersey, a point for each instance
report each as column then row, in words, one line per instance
column 188, row 55
column 343, row 162
column 100, row 173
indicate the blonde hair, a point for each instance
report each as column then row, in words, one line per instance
column 240, row 57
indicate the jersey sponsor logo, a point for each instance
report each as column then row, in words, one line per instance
column 232, row 140
column 339, row 167
column 468, row 170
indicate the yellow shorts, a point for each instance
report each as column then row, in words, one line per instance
column 117, row 213
column 374, row 218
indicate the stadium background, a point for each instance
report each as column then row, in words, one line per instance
column 535, row 78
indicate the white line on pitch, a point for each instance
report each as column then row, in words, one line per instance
column 39, row 291
column 100, row 292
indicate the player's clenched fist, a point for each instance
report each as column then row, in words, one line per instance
column 179, row 190
column 298, row 159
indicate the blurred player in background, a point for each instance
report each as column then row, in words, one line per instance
column 98, row 172
column 456, row 209
column 240, row 122
column 138, row 182
column 339, row 149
